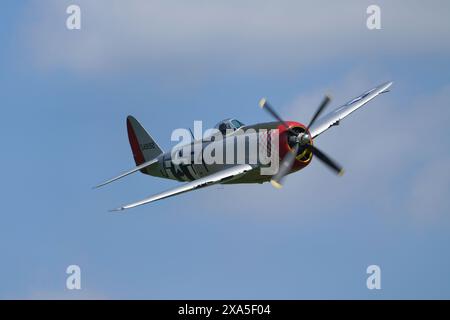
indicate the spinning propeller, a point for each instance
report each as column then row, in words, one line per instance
column 299, row 142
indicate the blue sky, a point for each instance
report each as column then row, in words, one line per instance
column 65, row 96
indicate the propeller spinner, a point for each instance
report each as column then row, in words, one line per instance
column 301, row 141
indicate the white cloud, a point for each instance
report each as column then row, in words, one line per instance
column 395, row 161
column 176, row 35
column 429, row 194
column 390, row 139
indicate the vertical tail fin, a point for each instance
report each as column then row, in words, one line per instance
column 143, row 146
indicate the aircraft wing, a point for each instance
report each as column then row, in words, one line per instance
column 218, row 177
column 334, row 117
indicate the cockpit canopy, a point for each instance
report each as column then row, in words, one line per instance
column 228, row 124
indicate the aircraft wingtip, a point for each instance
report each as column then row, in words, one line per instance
column 388, row 84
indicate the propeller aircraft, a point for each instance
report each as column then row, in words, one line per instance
column 295, row 150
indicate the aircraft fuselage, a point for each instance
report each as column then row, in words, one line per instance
column 238, row 147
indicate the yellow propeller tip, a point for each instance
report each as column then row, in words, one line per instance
column 341, row 173
column 276, row 184
column 262, row 102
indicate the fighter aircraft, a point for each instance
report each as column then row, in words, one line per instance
column 295, row 150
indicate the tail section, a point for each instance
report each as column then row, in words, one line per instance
column 143, row 146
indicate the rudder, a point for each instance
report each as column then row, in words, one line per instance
column 143, row 146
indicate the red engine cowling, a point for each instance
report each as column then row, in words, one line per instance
column 305, row 155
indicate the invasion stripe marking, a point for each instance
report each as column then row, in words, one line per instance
column 185, row 170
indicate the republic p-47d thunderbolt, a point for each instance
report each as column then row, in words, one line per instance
column 294, row 143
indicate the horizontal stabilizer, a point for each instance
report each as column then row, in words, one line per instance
column 140, row 167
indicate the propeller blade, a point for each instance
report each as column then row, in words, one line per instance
column 266, row 106
column 322, row 106
column 326, row 160
column 285, row 167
